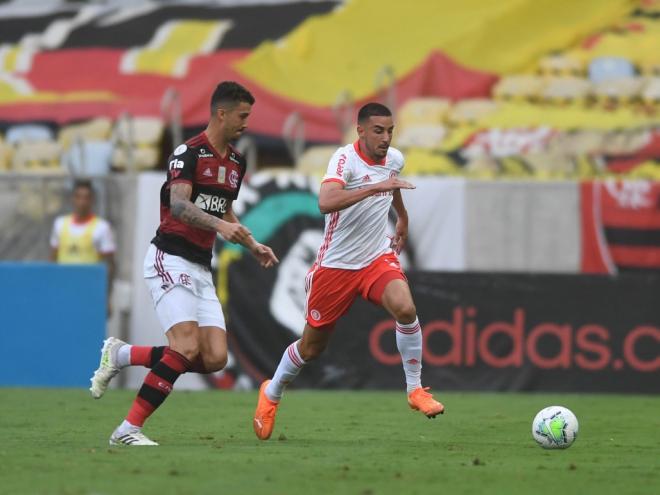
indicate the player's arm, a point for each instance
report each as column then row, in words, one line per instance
column 185, row 211
column 109, row 259
column 333, row 196
column 263, row 253
column 401, row 229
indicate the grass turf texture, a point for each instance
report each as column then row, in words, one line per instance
column 55, row 442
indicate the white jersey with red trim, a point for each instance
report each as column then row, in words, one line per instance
column 357, row 235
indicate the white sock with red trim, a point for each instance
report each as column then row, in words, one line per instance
column 286, row 372
column 409, row 343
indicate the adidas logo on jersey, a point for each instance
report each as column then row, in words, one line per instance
column 207, row 173
column 366, row 178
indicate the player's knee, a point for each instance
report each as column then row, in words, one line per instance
column 215, row 362
column 405, row 312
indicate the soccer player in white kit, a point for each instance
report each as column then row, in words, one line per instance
column 356, row 258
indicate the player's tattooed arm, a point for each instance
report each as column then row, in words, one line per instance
column 184, row 210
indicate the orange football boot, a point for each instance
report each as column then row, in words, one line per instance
column 264, row 416
column 421, row 400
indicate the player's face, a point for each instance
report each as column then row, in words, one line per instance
column 376, row 136
column 82, row 201
column 235, row 119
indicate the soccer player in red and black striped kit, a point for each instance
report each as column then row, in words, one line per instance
column 203, row 178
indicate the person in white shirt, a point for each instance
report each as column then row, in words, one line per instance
column 356, row 258
column 82, row 237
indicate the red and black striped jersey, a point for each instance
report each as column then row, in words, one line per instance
column 215, row 182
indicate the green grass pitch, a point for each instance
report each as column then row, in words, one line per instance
column 363, row 443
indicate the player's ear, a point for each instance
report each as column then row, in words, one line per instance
column 360, row 130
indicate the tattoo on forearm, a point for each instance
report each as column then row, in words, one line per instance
column 188, row 213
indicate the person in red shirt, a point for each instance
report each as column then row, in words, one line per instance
column 204, row 176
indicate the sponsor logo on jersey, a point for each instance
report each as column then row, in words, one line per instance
column 176, row 164
column 316, row 316
column 204, row 153
column 211, row 203
column 180, row 149
column 340, row 164
column 232, row 157
column 233, row 178
column 207, row 172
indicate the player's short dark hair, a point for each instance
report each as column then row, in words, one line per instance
column 83, row 184
column 372, row 110
column 228, row 94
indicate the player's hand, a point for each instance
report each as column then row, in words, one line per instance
column 234, row 232
column 400, row 236
column 392, row 184
column 264, row 255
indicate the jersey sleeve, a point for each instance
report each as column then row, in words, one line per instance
column 182, row 165
column 398, row 160
column 105, row 242
column 338, row 168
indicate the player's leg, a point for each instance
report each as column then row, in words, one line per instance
column 177, row 311
column 116, row 355
column 397, row 300
column 298, row 354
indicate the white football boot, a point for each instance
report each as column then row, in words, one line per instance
column 108, row 367
column 133, row 437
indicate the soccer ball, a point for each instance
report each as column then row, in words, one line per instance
column 555, row 427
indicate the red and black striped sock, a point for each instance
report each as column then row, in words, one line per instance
column 157, row 386
column 146, row 356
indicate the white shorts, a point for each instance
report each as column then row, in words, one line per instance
column 181, row 290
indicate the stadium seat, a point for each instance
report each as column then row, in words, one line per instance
column 314, row 160
column 93, row 130
column 560, row 65
column 518, row 87
column 88, row 158
column 420, row 136
column 651, row 91
column 142, row 158
column 139, row 131
column 622, row 90
column 566, row 90
column 28, row 132
column 38, row 156
column 6, row 153
column 423, row 111
column 469, row 111
column 608, row 68
column 424, row 162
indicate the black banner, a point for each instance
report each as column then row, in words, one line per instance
column 481, row 332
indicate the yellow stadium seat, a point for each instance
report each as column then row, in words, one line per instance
column 39, row 156
column 622, row 90
column 139, row 131
column 471, row 110
column 141, row 158
column 6, row 152
column 560, row 65
column 93, row 130
column 314, row 160
column 420, row 136
column 422, row 111
column 566, row 90
column 424, row 162
column 518, row 87
column 648, row 170
column 651, row 91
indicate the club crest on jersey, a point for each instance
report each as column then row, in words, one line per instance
column 233, row 178
column 204, row 153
